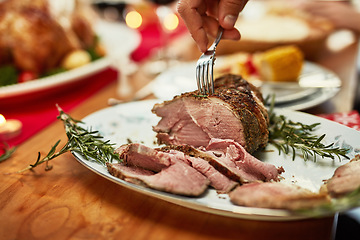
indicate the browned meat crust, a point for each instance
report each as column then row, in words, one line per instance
column 239, row 97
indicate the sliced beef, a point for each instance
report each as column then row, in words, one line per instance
column 346, row 178
column 235, row 111
column 220, row 182
column 239, row 163
column 158, row 170
column 138, row 155
column 276, row 195
column 231, row 159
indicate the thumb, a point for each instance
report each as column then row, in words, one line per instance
column 229, row 11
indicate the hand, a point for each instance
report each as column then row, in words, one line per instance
column 203, row 17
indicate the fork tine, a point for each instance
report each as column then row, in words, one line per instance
column 205, row 68
column 198, row 77
column 209, row 77
column 202, row 79
column 206, row 77
column 211, row 80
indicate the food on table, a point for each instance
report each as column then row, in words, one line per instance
column 38, row 35
column 204, row 163
column 208, row 144
column 279, row 25
column 158, row 170
column 277, row 195
column 189, row 168
column 346, row 179
column 240, row 63
column 188, row 171
column 235, row 111
column 231, row 159
column 76, row 59
column 279, row 64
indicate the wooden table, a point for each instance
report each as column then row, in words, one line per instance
column 72, row 202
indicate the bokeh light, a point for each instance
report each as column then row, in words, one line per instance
column 133, row 19
column 171, row 22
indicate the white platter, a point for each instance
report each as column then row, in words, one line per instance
column 134, row 121
column 117, row 39
column 181, row 78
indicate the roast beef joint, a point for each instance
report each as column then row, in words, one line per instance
column 207, row 142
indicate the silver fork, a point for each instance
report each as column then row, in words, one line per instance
column 205, row 67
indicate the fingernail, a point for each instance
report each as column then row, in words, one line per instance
column 230, row 20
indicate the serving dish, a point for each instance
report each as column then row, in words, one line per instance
column 111, row 34
column 133, row 122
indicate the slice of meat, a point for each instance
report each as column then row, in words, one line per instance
column 230, row 113
column 158, row 170
column 147, row 158
column 231, row 159
column 276, row 195
column 346, row 178
column 218, row 181
column 239, row 163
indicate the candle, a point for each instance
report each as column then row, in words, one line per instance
column 9, row 128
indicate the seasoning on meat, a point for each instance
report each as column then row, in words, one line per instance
column 235, row 111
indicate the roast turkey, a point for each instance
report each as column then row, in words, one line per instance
column 33, row 38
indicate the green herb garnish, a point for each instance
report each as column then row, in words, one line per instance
column 201, row 95
column 346, row 202
column 87, row 143
column 8, row 75
column 53, row 72
column 291, row 137
column 7, row 151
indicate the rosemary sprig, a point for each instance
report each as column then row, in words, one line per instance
column 346, row 202
column 7, row 151
column 201, row 95
column 291, row 137
column 88, row 143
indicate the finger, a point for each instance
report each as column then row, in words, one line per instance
column 231, row 34
column 192, row 12
column 211, row 26
column 229, row 11
column 212, row 8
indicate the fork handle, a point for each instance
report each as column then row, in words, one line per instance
column 218, row 38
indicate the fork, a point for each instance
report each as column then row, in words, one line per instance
column 205, row 67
